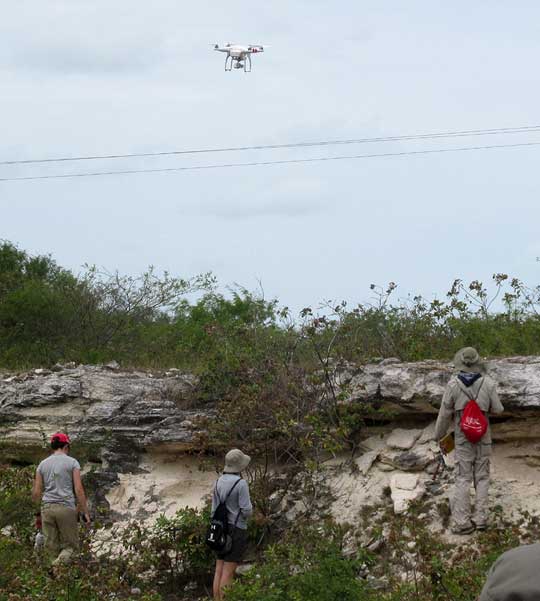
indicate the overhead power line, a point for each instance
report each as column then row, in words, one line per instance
column 267, row 163
column 425, row 136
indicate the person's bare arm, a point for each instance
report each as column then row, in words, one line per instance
column 80, row 494
column 37, row 488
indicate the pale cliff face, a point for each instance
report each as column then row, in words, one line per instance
column 136, row 429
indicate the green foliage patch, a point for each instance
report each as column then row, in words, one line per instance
column 49, row 314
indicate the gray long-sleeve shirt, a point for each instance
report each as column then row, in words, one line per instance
column 238, row 504
column 455, row 398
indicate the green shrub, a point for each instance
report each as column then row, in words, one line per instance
column 16, row 507
column 173, row 549
column 308, row 564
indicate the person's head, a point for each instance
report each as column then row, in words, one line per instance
column 514, row 576
column 468, row 360
column 235, row 462
column 60, row 442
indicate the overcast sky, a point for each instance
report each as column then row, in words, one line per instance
column 124, row 76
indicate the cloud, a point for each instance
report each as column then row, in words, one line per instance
column 70, row 59
column 78, row 38
column 277, row 208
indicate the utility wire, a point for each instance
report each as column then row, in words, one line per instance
column 447, row 134
column 266, row 163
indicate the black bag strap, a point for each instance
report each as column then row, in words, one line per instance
column 237, row 517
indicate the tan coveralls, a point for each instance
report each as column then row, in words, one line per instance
column 472, row 460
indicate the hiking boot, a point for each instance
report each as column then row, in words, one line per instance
column 480, row 527
column 463, row 529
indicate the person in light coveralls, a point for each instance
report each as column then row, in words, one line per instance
column 472, row 460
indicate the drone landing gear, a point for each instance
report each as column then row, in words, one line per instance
column 238, row 63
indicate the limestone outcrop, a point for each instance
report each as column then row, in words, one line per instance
column 418, row 387
column 100, row 404
column 140, row 425
column 138, row 410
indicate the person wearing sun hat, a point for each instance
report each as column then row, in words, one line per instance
column 239, row 509
column 58, row 486
column 514, row 576
column 472, row 459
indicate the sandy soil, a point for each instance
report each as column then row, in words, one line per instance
column 168, row 484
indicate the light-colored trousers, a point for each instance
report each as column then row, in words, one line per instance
column 472, row 467
column 61, row 532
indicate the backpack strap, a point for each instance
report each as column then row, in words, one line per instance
column 465, row 391
column 237, row 517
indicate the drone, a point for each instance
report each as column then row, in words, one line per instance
column 239, row 57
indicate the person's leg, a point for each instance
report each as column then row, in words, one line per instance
column 68, row 527
column 50, row 532
column 227, row 575
column 481, row 484
column 461, row 505
column 217, row 579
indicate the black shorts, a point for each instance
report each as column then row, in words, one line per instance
column 239, row 546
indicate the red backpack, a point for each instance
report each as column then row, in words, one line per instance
column 474, row 423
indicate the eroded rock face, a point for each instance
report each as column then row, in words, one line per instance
column 126, row 414
column 418, row 387
column 99, row 405
column 147, row 409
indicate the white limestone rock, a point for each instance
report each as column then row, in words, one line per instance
column 373, row 443
column 403, row 439
column 420, row 385
column 414, row 460
column 428, row 434
column 365, row 461
column 405, row 488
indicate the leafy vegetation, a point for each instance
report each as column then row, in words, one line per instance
column 49, row 314
column 151, row 560
column 271, row 380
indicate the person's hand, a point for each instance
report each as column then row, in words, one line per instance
column 86, row 518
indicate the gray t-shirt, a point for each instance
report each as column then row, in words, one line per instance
column 57, row 474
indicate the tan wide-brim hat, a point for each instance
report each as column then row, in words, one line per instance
column 467, row 359
column 236, row 461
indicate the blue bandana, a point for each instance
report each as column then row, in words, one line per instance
column 467, row 378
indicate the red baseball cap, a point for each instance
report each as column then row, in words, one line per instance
column 60, row 437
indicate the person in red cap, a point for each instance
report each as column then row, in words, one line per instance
column 58, row 486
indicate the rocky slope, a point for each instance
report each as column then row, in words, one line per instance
column 136, row 428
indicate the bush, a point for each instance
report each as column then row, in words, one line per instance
column 16, row 506
column 307, row 565
column 172, row 549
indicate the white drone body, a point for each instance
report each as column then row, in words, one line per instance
column 239, row 57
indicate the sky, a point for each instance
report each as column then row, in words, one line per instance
column 102, row 77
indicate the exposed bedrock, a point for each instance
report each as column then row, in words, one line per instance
column 136, row 429
column 136, row 410
column 120, row 410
